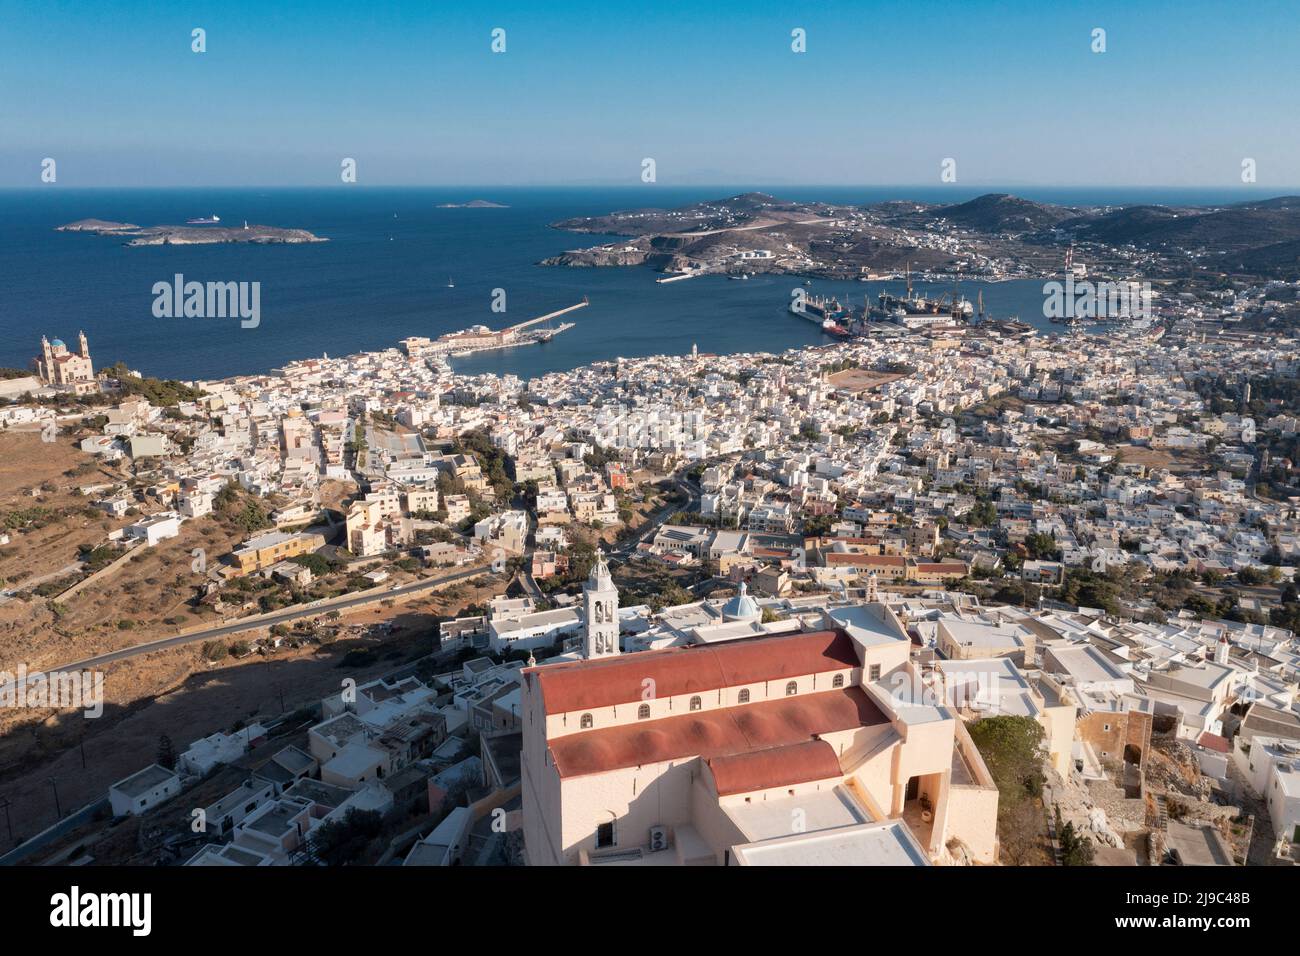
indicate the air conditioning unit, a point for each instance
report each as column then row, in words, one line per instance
column 658, row 838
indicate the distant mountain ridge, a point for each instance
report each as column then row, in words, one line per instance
column 1002, row 212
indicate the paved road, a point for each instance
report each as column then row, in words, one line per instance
column 651, row 527
column 279, row 617
column 761, row 224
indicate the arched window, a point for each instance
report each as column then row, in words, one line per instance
column 743, row 696
column 791, row 689
column 598, row 612
column 643, row 712
column 837, row 680
column 696, row 703
column 585, row 722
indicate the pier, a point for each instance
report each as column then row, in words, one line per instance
column 480, row 338
column 548, row 316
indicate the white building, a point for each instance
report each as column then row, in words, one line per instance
column 143, row 790
column 156, row 528
column 446, row 845
column 785, row 749
column 219, row 748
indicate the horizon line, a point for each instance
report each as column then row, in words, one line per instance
column 1244, row 187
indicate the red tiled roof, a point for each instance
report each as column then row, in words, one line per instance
column 1214, row 742
column 712, row 734
column 939, row 567
column 867, row 560
column 774, row 767
column 585, row 685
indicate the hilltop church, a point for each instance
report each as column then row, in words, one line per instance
column 58, row 367
column 781, row 748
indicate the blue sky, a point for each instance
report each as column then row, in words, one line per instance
column 711, row 91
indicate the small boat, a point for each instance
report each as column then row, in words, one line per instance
column 204, row 221
column 450, row 284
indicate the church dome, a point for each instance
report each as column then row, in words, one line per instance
column 58, row 344
column 742, row 607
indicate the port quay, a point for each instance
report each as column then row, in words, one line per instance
column 480, row 338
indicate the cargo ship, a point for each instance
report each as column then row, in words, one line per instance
column 826, row 313
column 893, row 308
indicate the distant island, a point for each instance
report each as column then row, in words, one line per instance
column 473, row 204
column 190, row 235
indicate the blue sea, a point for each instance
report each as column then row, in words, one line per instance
column 384, row 274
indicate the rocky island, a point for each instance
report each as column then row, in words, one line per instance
column 473, row 204
column 190, row 235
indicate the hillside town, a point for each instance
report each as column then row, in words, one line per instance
column 852, row 576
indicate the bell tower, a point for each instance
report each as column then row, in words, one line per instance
column 600, row 612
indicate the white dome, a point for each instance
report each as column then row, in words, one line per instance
column 742, row 607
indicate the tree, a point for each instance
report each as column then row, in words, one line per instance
column 166, row 753
column 1042, row 546
column 1076, row 850
column 341, row 842
column 1012, row 750
column 1250, row 576
column 982, row 515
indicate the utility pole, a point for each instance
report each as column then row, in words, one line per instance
column 58, row 811
column 4, row 805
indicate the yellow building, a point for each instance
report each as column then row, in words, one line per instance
column 267, row 549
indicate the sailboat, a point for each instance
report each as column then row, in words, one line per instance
column 450, row 284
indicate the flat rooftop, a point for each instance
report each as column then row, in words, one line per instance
column 142, row 781
column 1085, row 664
column 866, row 626
column 888, row 843
column 822, row 810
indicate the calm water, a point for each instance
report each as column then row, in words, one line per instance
column 383, row 276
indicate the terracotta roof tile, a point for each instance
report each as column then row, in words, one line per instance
column 774, row 767
column 712, row 734
column 586, row 685
column 866, row 560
